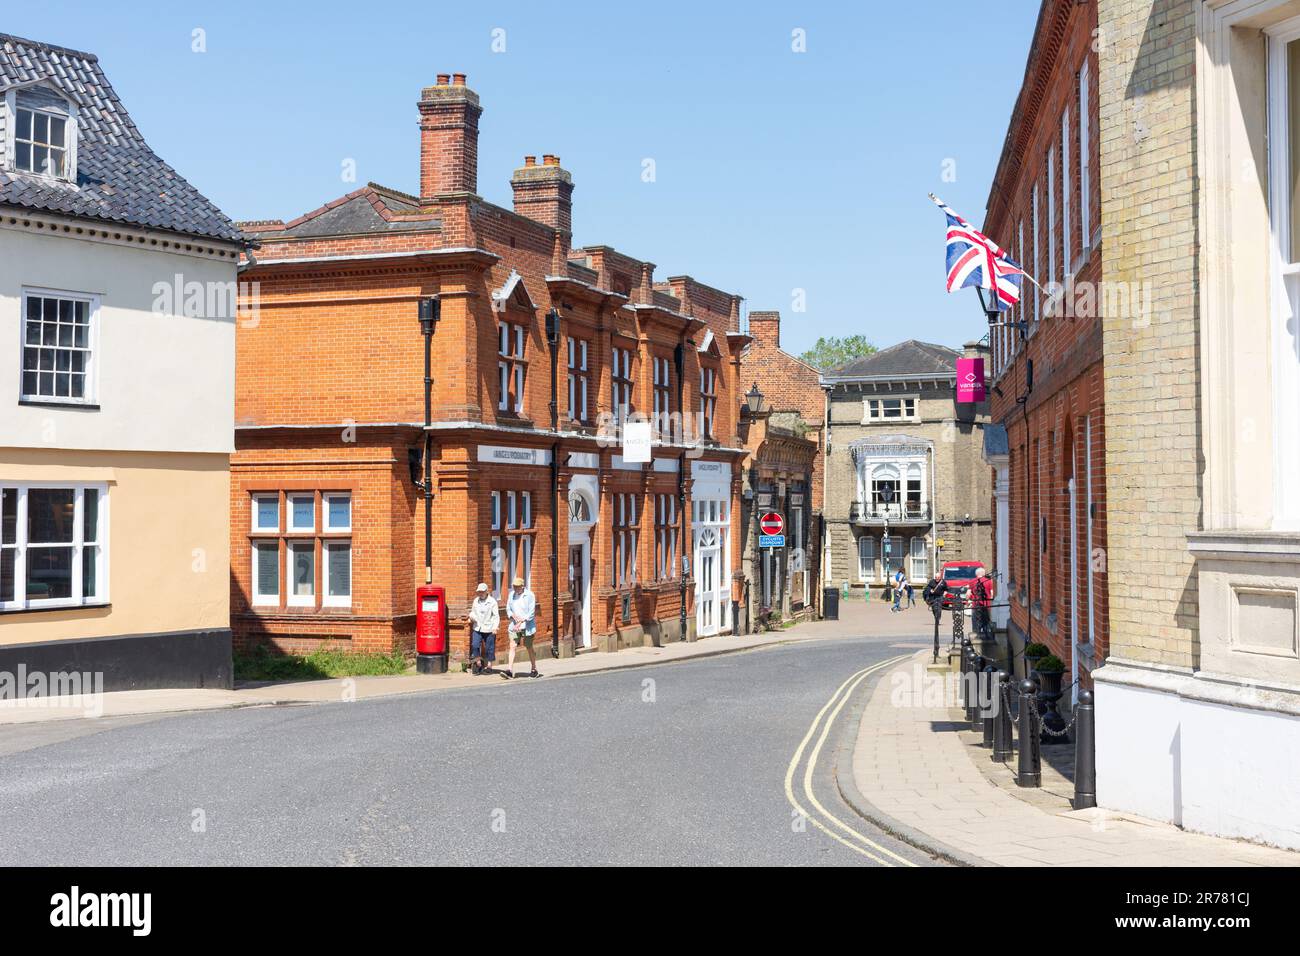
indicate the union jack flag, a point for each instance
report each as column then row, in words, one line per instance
column 976, row 260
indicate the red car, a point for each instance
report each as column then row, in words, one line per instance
column 957, row 577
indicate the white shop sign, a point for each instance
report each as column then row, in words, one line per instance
column 636, row 441
column 505, row 455
column 716, row 470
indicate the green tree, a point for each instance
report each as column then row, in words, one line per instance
column 831, row 353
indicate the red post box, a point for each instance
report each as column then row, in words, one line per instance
column 431, row 629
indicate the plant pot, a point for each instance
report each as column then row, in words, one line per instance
column 1049, row 693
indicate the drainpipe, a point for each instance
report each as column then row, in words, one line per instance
column 553, row 339
column 934, row 534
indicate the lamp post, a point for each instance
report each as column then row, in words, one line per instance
column 430, row 311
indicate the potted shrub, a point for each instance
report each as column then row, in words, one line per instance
column 1050, row 669
column 1035, row 652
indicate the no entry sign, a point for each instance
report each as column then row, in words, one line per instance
column 772, row 523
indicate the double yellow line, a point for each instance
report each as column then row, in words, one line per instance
column 855, row 841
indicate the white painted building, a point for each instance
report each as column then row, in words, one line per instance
column 117, row 296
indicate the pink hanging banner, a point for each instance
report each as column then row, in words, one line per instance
column 970, row 380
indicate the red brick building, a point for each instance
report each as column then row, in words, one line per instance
column 1049, row 455
column 786, row 439
column 327, row 530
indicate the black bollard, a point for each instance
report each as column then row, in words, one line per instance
column 963, row 658
column 976, row 714
column 989, row 700
column 1002, row 721
column 937, row 615
column 1085, row 753
column 1029, row 769
column 968, row 694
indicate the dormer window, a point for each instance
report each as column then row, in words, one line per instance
column 40, row 133
column 41, row 143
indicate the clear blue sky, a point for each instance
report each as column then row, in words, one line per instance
column 775, row 170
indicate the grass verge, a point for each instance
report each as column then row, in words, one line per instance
column 261, row 664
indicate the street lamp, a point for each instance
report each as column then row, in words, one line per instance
column 754, row 400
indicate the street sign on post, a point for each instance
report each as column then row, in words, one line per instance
column 772, row 528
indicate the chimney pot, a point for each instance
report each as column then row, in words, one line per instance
column 530, row 160
column 552, row 160
column 444, row 79
column 458, row 79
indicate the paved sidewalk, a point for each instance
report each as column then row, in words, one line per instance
column 913, row 774
column 264, row 694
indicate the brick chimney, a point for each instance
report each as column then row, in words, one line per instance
column 449, row 113
column 544, row 193
column 765, row 327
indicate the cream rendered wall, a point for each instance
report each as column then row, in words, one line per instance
column 168, row 543
column 165, row 382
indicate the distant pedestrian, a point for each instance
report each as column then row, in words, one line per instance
column 933, row 596
column 911, row 595
column 981, row 596
column 484, row 622
column 521, row 609
column 900, row 584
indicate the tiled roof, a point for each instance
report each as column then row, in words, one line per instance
column 900, row 361
column 119, row 178
column 370, row 209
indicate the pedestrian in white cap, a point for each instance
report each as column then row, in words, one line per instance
column 484, row 621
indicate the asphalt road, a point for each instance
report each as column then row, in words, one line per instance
column 682, row 763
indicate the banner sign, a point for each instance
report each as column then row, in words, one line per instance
column 970, row 380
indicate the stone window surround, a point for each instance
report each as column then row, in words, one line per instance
column 1248, row 541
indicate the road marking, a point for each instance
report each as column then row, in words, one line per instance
column 841, row 696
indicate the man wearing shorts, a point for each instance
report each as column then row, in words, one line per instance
column 521, row 609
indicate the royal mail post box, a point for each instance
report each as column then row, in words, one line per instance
column 431, row 620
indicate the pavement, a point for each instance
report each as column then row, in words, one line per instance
column 682, row 759
column 919, row 774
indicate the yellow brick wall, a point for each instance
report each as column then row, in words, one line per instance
column 1146, row 52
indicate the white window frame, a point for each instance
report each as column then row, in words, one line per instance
column 257, row 528
column 1051, row 214
column 1286, row 384
column 338, row 600
column 20, row 546
column 292, row 546
column 266, row 600
column 90, row 394
column 921, row 555
column 873, row 414
column 1085, row 183
column 326, row 498
column 867, row 561
column 512, row 367
column 621, row 382
column 1066, row 235
column 290, row 500
column 1038, row 258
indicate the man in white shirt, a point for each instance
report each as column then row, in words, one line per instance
column 484, row 622
column 521, row 609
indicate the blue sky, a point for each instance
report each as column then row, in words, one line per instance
column 775, row 170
